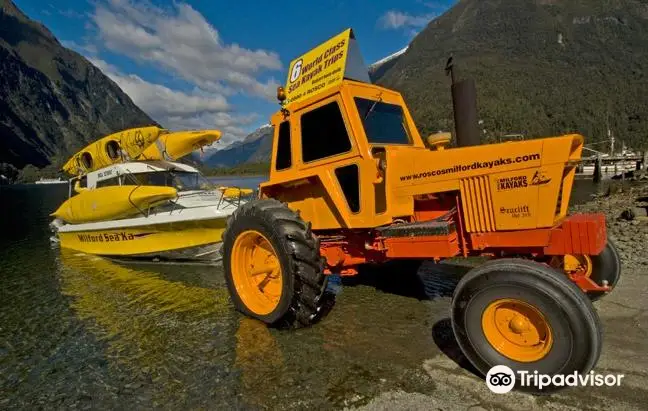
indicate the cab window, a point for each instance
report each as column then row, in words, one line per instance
column 323, row 133
column 383, row 123
column 284, row 153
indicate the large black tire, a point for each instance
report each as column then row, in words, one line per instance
column 605, row 267
column 569, row 314
column 297, row 249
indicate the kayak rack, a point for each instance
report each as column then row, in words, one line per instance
column 233, row 195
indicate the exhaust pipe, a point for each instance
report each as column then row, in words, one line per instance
column 464, row 105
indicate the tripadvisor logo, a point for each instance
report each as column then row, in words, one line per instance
column 501, row 379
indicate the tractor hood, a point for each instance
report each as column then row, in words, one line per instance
column 508, row 185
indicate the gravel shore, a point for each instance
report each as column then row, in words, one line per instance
column 630, row 236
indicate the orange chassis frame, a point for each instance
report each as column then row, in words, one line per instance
column 579, row 234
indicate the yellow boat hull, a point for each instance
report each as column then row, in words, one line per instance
column 108, row 203
column 173, row 146
column 145, row 240
column 106, row 151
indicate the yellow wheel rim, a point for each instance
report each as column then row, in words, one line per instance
column 577, row 264
column 573, row 264
column 256, row 272
column 517, row 330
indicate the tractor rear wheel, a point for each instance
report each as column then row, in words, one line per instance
column 603, row 269
column 272, row 265
column 527, row 316
column 606, row 268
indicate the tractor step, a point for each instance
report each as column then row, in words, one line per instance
column 420, row 229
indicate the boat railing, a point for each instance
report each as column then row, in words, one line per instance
column 71, row 183
column 135, row 205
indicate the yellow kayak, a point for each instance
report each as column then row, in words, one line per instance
column 175, row 145
column 114, row 148
column 107, row 203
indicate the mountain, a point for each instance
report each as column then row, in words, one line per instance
column 53, row 100
column 380, row 67
column 255, row 148
column 542, row 67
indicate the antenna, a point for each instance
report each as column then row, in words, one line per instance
column 609, row 131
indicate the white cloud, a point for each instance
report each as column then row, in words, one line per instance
column 176, row 109
column 181, row 41
column 396, row 20
column 178, row 42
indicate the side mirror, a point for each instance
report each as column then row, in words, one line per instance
column 439, row 141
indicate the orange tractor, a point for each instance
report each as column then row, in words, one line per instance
column 352, row 182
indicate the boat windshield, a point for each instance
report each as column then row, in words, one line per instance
column 181, row 180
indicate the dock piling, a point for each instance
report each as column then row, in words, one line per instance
column 597, row 170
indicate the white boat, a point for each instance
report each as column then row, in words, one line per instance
column 50, row 181
column 164, row 209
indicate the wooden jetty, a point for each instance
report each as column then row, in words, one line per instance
column 597, row 165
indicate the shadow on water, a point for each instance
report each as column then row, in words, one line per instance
column 422, row 281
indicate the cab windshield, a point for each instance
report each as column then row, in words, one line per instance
column 384, row 123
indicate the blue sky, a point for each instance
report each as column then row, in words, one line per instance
column 213, row 63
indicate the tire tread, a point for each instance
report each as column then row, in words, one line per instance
column 301, row 248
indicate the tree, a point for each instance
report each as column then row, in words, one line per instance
column 28, row 174
column 8, row 173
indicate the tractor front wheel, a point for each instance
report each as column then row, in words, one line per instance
column 272, row 265
column 526, row 316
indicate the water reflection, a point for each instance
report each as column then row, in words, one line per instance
column 168, row 339
column 260, row 361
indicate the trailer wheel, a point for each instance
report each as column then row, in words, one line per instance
column 604, row 268
column 272, row 265
column 527, row 316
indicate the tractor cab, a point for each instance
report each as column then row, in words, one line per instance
column 336, row 142
column 331, row 136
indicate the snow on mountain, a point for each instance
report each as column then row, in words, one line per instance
column 384, row 60
column 378, row 68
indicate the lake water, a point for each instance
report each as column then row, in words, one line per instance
column 78, row 331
